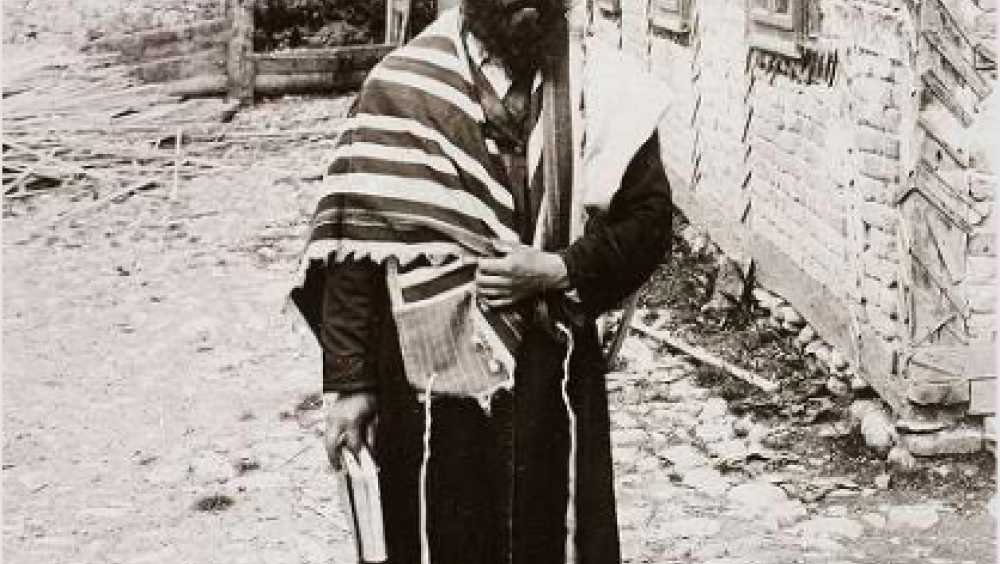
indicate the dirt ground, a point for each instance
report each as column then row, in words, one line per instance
column 156, row 405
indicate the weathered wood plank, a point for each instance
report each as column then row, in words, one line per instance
column 878, row 364
column 937, row 85
column 944, row 132
column 311, row 61
column 241, row 64
column 983, row 396
column 983, row 245
column 148, row 53
column 199, row 86
column 133, row 43
column 277, row 84
column 957, row 206
column 963, row 66
column 938, row 393
column 176, row 68
column 936, row 363
column 982, row 299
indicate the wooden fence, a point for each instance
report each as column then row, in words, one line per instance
column 216, row 58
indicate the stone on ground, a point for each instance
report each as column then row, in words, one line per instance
column 830, row 527
column 707, row 481
column 693, row 527
column 211, row 467
column 916, row 517
column 960, row 440
column 684, row 457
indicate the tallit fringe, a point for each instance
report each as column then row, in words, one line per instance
column 485, row 399
column 570, row 551
column 425, row 545
column 340, row 251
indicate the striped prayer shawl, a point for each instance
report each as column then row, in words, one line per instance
column 413, row 176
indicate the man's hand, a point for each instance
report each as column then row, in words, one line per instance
column 348, row 418
column 520, row 272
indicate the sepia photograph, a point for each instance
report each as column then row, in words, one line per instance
column 499, row 281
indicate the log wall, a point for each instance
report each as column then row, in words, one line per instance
column 826, row 140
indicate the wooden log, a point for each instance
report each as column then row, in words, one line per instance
column 983, row 396
column 148, row 53
column 133, row 44
column 309, row 61
column 199, row 86
column 176, row 68
column 241, row 64
column 706, row 357
column 279, row 84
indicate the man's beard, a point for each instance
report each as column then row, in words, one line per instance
column 518, row 34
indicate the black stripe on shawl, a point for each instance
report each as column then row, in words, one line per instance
column 334, row 206
column 348, row 231
column 436, row 42
column 437, row 286
column 406, row 170
column 404, row 139
column 430, row 71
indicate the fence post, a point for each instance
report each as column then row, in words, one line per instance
column 397, row 20
column 240, row 67
column 444, row 5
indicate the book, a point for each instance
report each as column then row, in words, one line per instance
column 361, row 494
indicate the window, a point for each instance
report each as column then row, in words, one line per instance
column 670, row 16
column 610, row 8
column 783, row 26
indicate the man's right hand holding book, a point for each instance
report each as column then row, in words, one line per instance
column 349, row 418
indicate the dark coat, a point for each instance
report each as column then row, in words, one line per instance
column 497, row 482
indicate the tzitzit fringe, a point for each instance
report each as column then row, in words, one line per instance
column 571, row 557
column 425, row 544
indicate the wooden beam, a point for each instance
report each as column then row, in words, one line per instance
column 933, row 81
column 964, row 67
column 176, row 68
column 241, row 65
column 953, row 204
column 302, row 83
column 943, row 130
column 310, row 61
column 983, row 396
column 201, row 86
column 706, row 357
column 219, row 41
column 134, row 44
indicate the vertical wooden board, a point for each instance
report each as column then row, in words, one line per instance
column 949, row 246
column 930, row 270
column 983, row 396
column 983, row 245
column 240, row 64
column 930, row 311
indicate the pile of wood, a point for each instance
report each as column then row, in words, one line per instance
column 74, row 121
column 79, row 124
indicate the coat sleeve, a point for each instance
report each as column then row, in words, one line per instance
column 349, row 325
column 621, row 249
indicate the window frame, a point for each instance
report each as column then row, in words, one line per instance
column 610, row 8
column 675, row 18
column 780, row 32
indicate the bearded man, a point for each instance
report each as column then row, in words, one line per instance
column 433, row 237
